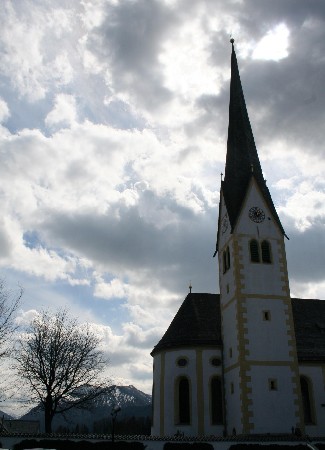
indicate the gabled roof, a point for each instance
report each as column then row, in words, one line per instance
column 309, row 320
column 197, row 322
column 242, row 161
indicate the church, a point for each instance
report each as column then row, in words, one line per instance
column 250, row 360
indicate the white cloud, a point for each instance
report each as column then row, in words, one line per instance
column 64, row 111
column 274, row 45
column 62, row 69
column 114, row 289
column 4, row 111
column 93, row 14
column 24, row 318
column 189, row 42
column 306, row 206
column 38, row 46
column 129, row 353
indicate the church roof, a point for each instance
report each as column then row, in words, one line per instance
column 242, row 161
column 198, row 323
column 309, row 320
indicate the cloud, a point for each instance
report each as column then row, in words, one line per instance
column 128, row 40
column 64, row 111
column 114, row 289
column 113, row 138
column 26, row 317
column 274, row 45
column 4, row 111
column 128, row 353
column 25, row 34
column 306, row 255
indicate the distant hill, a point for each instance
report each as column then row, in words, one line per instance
column 134, row 416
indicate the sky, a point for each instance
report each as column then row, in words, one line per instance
column 113, row 131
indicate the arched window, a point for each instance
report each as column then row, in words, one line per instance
column 266, row 252
column 216, row 401
column 224, row 262
column 226, row 259
column 306, row 395
column 183, row 401
column 254, row 250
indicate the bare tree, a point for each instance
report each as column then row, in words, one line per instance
column 9, row 303
column 61, row 363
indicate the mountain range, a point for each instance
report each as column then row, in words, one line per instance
column 133, row 418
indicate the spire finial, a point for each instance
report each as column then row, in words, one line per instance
column 190, row 287
column 232, row 40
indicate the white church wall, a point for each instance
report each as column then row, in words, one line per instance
column 268, row 227
column 227, row 280
column 172, row 372
column 267, row 334
column 316, row 374
column 229, row 326
column 233, row 402
column 196, row 374
column 273, row 409
column 155, row 428
column 263, row 278
column 208, row 372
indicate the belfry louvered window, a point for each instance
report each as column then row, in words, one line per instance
column 266, row 252
column 260, row 252
column 254, row 250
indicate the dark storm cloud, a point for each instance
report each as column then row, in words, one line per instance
column 291, row 96
column 124, row 241
column 130, row 41
column 285, row 99
column 306, row 254
column 293, row 91
column 289, row 93
column 270, row 13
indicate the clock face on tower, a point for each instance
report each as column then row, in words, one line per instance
column 256, row 214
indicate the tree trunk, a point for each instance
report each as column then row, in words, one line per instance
column 48, row 415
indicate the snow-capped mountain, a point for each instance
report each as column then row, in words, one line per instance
column 133, row 403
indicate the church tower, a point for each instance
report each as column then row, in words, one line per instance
column 260, row 366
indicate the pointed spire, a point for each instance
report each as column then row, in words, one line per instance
column 242, row 160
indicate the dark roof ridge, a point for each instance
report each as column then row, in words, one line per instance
column 197, row 322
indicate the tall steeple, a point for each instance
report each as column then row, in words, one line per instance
column 260, row 363
column 242, row 161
